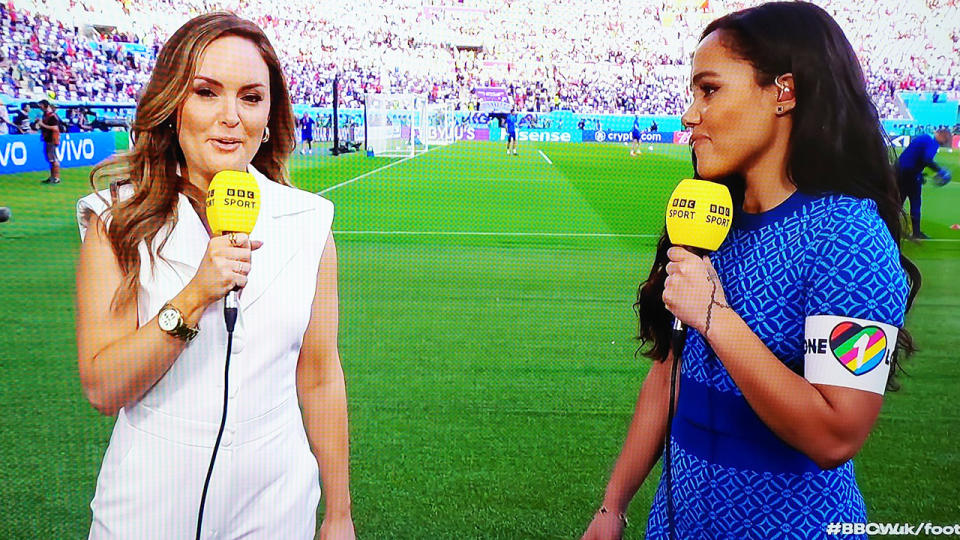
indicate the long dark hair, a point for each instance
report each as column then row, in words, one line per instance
column 837, row 143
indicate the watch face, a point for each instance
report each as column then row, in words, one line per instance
column 168, row 319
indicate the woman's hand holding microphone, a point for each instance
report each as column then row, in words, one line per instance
column 225, row 265
column 692, row 290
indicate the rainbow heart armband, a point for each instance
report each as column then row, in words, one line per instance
column 848, row 352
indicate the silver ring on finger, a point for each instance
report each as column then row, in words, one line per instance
column 239, row 267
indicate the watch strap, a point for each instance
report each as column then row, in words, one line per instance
column 182, row 331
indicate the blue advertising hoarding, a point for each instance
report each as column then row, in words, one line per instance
column 24, row 153
column 536, row 135
column 619, row 136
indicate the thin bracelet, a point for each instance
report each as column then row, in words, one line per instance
column 620, row 515
column 713, row 302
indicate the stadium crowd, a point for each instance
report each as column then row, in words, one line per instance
column 603, row 56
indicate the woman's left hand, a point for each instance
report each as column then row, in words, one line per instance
column 337, row 528
column 689, row 288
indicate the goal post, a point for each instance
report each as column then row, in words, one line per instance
column 395, row 124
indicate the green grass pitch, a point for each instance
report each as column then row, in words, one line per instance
column 486, row 336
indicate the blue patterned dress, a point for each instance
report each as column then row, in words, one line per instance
column 732, row 476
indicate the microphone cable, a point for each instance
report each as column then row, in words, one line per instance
column 699, row 231
column 230, row 317
column 677, row 342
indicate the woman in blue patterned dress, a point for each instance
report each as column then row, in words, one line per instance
column 795, row 320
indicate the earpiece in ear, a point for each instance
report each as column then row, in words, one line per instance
column 785, row 93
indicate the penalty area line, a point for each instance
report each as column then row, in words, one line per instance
column 545, row 158
column 368, row 173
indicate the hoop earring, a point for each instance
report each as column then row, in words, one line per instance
column 266, row 134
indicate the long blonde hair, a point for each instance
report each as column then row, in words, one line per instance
column 151, row 164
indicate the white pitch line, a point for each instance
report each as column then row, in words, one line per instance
column 938, row 240
column 536, row 234
column 545, row 157
column 368, row 173
column 496, row 233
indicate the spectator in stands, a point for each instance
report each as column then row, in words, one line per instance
column 609, row 73
column 50, row 132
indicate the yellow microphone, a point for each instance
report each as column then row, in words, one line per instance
column 698, row 218
column 698, row 214
column 233, row 204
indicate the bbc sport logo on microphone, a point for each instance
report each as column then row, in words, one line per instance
column 233, row 202
column 240, row 198
column 685, row 209
column 699, row 214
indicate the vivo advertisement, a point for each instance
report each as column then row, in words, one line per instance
column 24, row 153
column 618, row 136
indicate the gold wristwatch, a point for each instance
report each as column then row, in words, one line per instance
column 171, row 321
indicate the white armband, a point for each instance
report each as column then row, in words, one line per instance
column 849, row 352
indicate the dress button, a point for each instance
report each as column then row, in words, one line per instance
column 227, row 439
column 238, row 342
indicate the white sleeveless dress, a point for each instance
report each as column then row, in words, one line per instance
column 265, row 482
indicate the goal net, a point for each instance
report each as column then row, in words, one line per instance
column 395, row 124
column 440, row 124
